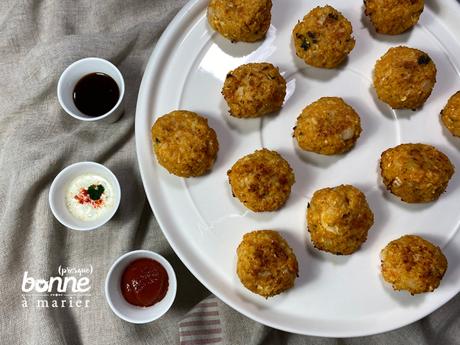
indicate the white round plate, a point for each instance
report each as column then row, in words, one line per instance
column 335, row 296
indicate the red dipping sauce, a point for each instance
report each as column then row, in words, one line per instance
column 144, row 282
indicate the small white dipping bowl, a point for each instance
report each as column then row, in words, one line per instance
column 60, row 185
column 72, row 74
column 117, row 302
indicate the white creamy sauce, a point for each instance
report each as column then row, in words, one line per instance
column 89, row 210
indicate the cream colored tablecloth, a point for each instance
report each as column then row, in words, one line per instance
column 38, row 39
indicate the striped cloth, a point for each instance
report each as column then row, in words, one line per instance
column 202, row 324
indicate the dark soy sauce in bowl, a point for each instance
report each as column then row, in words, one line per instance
column 96, row 94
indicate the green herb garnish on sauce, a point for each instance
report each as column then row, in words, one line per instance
column 95, row 192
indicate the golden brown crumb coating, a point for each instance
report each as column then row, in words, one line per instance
column 240, row 20
column 412, row 263
column 404, row 77
column 254, row 89
column 393, row 17
column 416, row 173
column 323, row 38
column 261, row 180
column 266, row 264
column 184, row 144
column 328, row 126
column 339, row 219
column 450, row 115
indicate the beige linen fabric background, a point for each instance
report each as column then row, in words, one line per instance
column 38, row 39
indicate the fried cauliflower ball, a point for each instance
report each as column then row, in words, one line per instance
column 416, row 173
column 339, row 219
column 184, row 144
column 393, row 17
column 450, row 115
column 254, row 89
column 261, row 180
column 404, row 77
column 328, row 126
column 412, row 263
column 240, row 20
column 266, row 264
column 323, row 38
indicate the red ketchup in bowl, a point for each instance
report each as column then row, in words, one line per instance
column 144, row 282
